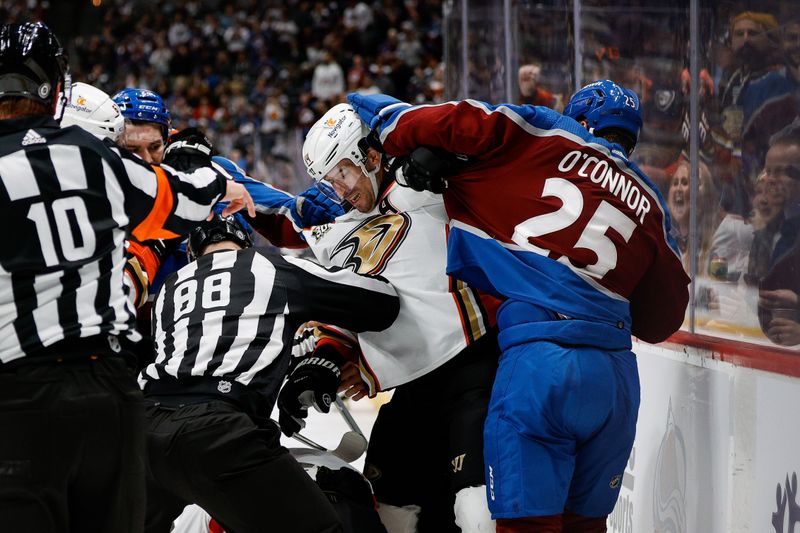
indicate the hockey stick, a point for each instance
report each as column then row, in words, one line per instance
column 353, row 443
column 345, row 412
column 351, row 447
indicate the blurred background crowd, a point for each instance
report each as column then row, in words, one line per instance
column 744, row 248
column 254, row 75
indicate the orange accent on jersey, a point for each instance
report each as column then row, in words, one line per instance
column 152, row 227
column 146, row 256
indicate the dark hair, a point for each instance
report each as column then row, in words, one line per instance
column 788, row 135
column 618, row 136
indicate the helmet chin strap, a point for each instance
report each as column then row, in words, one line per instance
column 373, row 177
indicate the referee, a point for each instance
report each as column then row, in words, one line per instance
column 71, row 414
column 223, row 327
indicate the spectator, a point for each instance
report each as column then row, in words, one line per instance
column 767, row 218
column 183, row 55
column 678, row 203
column 779, row 289
column 530, row 90
column 791, row 50
column 783, row 163
column 755, row 98
column 328, row 81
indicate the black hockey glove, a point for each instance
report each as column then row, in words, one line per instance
column 427, row 169
column 313, row 382
column 163, row 248
column 188, row 150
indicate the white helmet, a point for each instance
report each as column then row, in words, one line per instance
column 336, row 136
column 93, row 110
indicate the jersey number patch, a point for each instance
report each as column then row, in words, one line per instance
column 216, row 293
column 71, row 226
column 592, row 237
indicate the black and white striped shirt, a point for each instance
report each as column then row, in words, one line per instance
column 68, row 203
column 228, row 319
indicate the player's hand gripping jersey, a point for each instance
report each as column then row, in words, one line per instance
column 547, row 214
column 404, row 239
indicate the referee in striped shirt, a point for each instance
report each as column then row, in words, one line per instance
column 223, row 327
column 71, row 413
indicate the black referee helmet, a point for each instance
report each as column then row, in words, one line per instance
column 32, row 62
column 217, row 229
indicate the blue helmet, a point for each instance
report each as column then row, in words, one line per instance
column 603, row 104
column 142, row 105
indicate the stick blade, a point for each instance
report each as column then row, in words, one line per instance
column 352, row 446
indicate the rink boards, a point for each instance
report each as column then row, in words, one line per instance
column 717, row 448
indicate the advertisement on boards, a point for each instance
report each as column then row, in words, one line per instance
column 677, row 476
column 776, row 504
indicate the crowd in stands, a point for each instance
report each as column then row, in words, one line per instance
column 744, row 246
column 747, row 249
column 255, row 75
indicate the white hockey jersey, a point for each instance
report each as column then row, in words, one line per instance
column 404, row 239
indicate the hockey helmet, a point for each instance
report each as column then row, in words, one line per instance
column 93, row 110
column 143, row 105
column 338, row 135
column 605, row 105
column 217, row 229
column 32, row 63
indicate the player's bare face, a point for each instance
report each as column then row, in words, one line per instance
column 351, row 184
column 145, row 141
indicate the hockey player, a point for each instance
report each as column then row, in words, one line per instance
column 147, row 123
column 94, row 111
column 440, row 355
column 551, row 216
column 223, row 327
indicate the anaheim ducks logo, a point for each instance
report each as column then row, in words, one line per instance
column 370, row 246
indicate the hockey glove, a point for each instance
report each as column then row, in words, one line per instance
column 313, row 382
column 163, row 248
column 426, row 169
column 187, row 150
column 312, row 208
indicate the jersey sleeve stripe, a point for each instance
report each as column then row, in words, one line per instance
column 140, row 177
column 17, row 175
column 189, row 209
